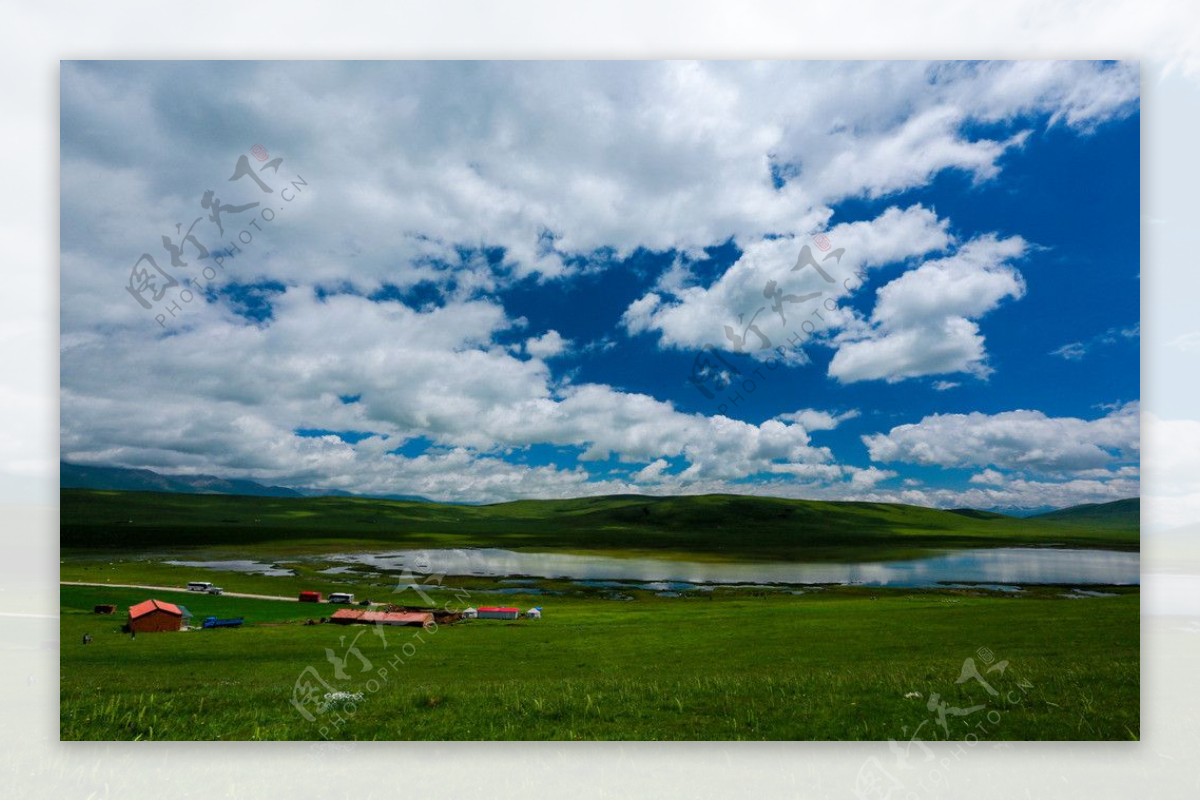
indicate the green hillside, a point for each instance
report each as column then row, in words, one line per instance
column 1123, row 515
column 716, row 526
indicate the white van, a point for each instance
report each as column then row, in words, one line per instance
column 341, row 597
column 199, row 586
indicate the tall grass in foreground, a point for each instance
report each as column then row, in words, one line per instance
column 784, row 667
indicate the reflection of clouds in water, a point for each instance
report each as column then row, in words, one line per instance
column 237, row 566
column 1077, row 593
column 994, row 566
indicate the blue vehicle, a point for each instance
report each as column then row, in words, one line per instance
column 213, row 622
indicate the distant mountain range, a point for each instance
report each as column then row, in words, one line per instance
column 77, row 476
column 1116, row 514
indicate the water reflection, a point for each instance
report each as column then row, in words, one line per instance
column 237, row 566
column 1001, row 566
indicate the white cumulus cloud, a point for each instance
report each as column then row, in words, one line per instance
column 924, row 322
column 1016, row 440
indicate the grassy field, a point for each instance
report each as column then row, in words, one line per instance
column 694, row 527
column 726, row 663
column 834, row 664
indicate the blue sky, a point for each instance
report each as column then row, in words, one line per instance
column 486, row 281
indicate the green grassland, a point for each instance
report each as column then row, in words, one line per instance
column 730, row 663
column 835, row 664
column 694, row 527
column 144, row 569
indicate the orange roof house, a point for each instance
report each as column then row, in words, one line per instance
column 383, row 618
column 155, row 616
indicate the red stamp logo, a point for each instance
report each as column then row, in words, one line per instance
column 821, row 241
column 259, row 152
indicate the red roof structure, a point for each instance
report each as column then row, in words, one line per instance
column 146, row 607
column 155, row 615
column 346, row 616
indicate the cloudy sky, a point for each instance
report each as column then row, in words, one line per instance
column 483, row 281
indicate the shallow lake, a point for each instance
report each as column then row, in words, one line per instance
column 237, row 566
column 1000, row 566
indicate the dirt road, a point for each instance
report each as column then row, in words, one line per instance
column 179, row 589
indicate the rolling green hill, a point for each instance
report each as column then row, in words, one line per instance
column 715, row 526
column 1124, row 514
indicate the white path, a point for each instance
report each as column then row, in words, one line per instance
column 178, row 589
